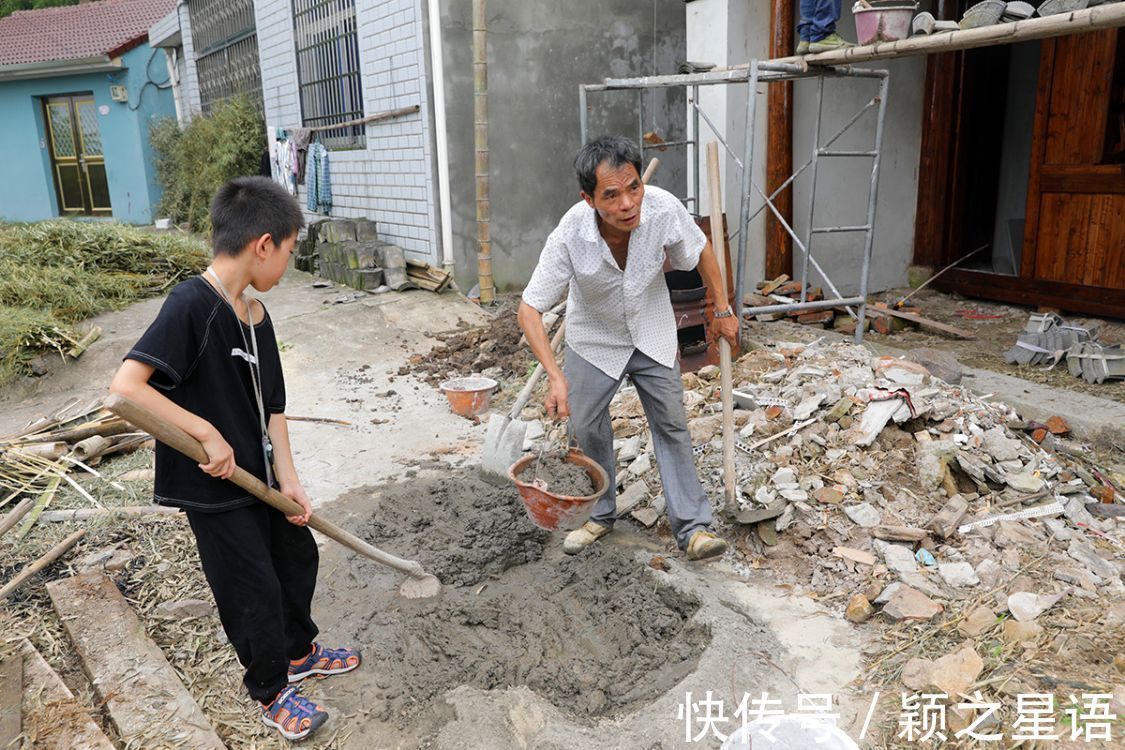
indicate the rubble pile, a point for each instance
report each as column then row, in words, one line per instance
column 871, row 478
column 494, row 351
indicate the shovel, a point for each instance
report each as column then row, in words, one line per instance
column 503, row 444
column 419, row 585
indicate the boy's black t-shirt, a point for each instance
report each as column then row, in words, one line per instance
column 202, row 365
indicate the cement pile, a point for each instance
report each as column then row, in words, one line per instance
column 596, row 634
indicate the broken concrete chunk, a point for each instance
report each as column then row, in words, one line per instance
column 900, row 371
column 941, row 364
column 641, row 465
column 1025, row 482
column 859, row 609
column 989, row 572
column 647, row 517
column 1083, row 552
column 897, row 557
column 958, row 574
column 911, row 604
column 784, row 478
column 949, row 517
column 808, row 407
column 998, row 445
column 864, row 514
column 184, row 609
column 978, row 620
column 875, row 418
column 633, row 495
column 855, row 555
column 1026, row 606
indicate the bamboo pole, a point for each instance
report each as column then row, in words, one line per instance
column 87, row 514
column 12, row 517
column 480, row 138
column 56, row 552
column 718, row 245
column 83, row 344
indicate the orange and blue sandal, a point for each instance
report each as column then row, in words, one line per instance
column 294, row 715
column 324, row 661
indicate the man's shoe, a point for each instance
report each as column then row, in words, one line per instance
column 704, row 544
column 802, row 47
column 580, row 539
column 324, row 661
column 294, row 715
column 829, row 43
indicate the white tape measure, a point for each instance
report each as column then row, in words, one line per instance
column 1039, row 510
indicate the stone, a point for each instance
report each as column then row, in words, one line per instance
column 942, row 365
column 114, row 558
column 1014, row 631
column 1083, row 552
column 875, row 418
column 959, row 717
column 646, row 517
column 989, row 572
column 808, row 407
column 1026, row 606
column 998, row 445
column 958, row 574
column 855, row 555
column 137, row 475
column 897, row 557
column 954, row 673
column 900, row 371
column 1025, row 482
column 865, row 515
column 885, row 595
column 921, row 582
column 630, row 449
column 858, row 609
column 839, row 410
column 916, row 673
column 794, row 496
column 899, row 533
column 641, row 465
column 910, row 604
column 784, row 477
column 977, row 620
column 703, row 429
column 633, row 495
column 184, row 609
column 829, row 496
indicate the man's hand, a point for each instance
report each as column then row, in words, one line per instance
column 296, row 493
column 556, row 403
column 725, row 327
column 220, row 456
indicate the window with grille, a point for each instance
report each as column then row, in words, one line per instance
column 328, row 69
column 226, row 51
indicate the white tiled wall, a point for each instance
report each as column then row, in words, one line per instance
column 391, row 179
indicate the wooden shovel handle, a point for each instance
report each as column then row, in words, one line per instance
column 536, row 375
column 174, row 437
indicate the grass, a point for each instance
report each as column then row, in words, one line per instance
column 55, row 274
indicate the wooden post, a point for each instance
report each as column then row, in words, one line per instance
column 779, row 153
column 718, row 244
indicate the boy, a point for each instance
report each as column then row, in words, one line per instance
column 204, row 368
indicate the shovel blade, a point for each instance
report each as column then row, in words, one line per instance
column 502, row 446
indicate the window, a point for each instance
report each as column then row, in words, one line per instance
column 328, row 69
column 226, row 51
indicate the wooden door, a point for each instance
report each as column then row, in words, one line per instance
column 1075, row 230
column 77, row 157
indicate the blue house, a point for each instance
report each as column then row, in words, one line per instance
column 79, row 89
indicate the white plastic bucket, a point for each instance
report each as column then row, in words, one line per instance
column 789, row 733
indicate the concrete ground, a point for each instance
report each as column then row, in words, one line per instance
column 341, row 362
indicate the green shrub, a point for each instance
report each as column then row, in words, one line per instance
column 192, row 163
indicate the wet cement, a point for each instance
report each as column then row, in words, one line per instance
column 596, row 634
column 559, row 476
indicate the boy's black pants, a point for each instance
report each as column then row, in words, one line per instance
column 262, row 572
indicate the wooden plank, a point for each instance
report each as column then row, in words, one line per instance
column 1076, row 298
column 779, row 135
column 1098, row 178
column 146, row 701
column 924, row 323
column 11, row 699
column 52, row 718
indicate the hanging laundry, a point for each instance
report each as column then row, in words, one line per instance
column 301, row 137
column 318, row 181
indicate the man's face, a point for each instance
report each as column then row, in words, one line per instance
column 617, row 197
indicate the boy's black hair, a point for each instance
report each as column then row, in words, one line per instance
column 246, row 208
column 615, row 149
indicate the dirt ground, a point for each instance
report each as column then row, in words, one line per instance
column 996, row 326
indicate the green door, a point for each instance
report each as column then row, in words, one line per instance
column 76, row 155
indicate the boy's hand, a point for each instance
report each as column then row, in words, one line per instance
column 296, row 493
column 220, row 456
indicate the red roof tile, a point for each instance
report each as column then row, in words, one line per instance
column 77, row 31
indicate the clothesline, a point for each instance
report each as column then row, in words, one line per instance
column 364, row 120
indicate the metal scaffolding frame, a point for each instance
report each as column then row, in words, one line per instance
column 767, row 71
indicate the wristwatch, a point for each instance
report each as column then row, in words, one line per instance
column 728, row 313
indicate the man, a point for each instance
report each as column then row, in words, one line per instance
column 817, row 27
column 610, row 250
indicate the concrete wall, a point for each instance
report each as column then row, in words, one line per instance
column 130, row 169
column 390, row 179
column 743, row 33
column 842, row 184
column 189, row 83
column 538, row 54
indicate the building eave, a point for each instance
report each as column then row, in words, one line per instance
column 53, row 68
